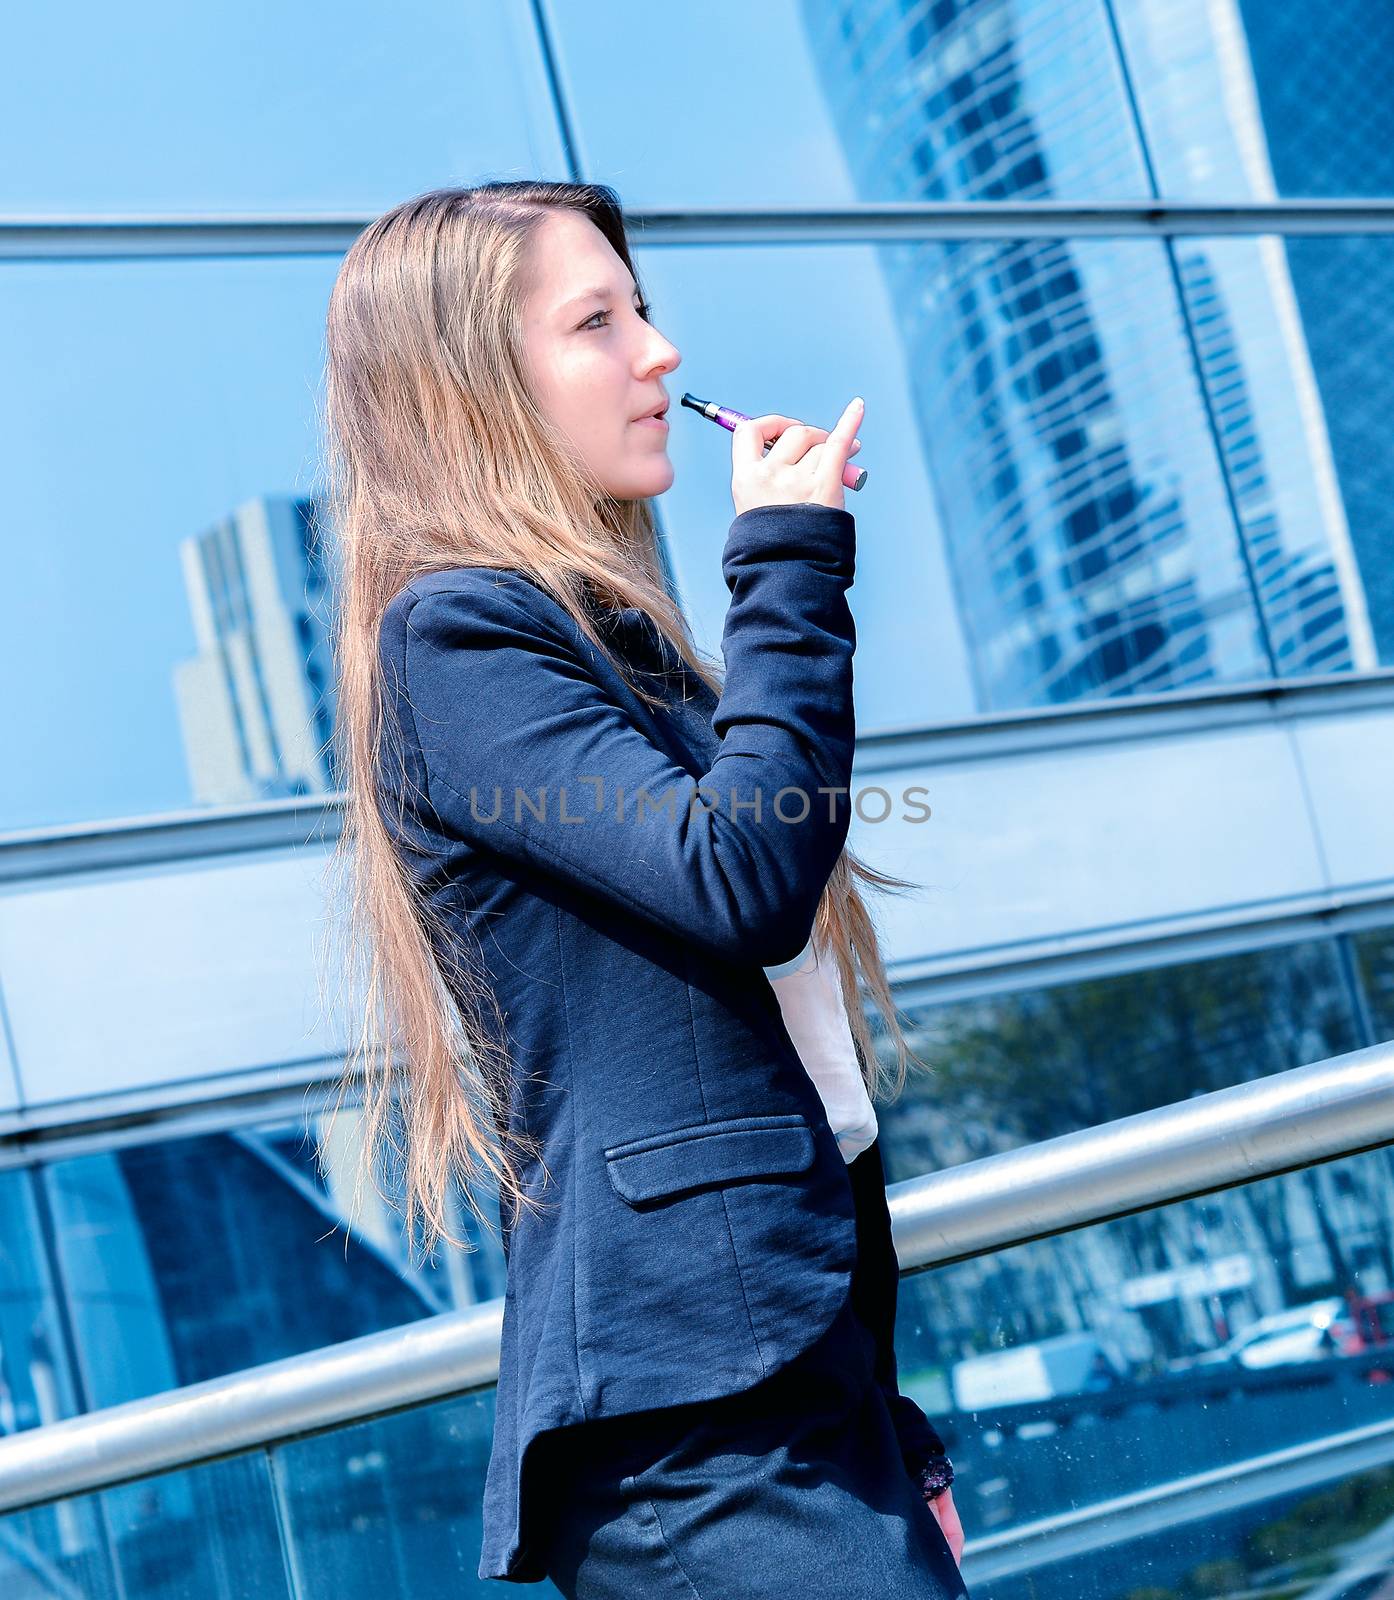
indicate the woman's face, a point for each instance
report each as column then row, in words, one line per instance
column 597, row 365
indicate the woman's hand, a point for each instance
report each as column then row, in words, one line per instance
column 804, row 466
column 944, row 1509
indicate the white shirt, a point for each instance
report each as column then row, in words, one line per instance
column 809, row 991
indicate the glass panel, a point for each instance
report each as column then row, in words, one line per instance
column 1069, row 1376
column 1249, row 98
column 163, row 108
column 210, row 1531
column 186, row 1259
column 35, row 1378
column 159, row 420
column 1295, row 339
column 963, row 99
column 1054, row 524
column 1374, row 958
column 1045, row 519
column 392, row 1507
column 1009, row 1069
column 1087, row 1371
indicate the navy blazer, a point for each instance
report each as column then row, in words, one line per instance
column 624, row 874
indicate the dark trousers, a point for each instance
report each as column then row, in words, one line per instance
column 793, row 1487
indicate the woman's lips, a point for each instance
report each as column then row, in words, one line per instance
column 651, row 422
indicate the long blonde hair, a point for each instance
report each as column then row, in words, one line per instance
column 438, row 456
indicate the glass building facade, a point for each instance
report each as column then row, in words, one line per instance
column 1125, row 606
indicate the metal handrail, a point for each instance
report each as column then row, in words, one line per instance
column 1289, row 1120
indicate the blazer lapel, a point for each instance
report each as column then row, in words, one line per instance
column 686, row 728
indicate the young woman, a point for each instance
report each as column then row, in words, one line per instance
column 576, row 850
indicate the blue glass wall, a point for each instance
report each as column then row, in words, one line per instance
column 1103, row 468
column 1107, row 467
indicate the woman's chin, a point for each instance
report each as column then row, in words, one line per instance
column 646, row 478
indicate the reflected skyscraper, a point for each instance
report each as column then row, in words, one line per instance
column 1322, row 85
column 1212, row 94
column 256, row 703
column 1299, row 591
column 1091, row 502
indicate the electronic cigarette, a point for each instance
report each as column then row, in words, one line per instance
column 853, row 477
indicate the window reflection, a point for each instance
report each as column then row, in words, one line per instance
column 1030, row 1064
column 1250, row 99
column 256, row 699
column 398, row 1499
column 1062, row 1373
column 996, row 99
column 1293, row 340
column 1374, row 958
column 1048, row 520
column 860, row 102
column 1050, row 517
column 145, row 109
column 1076, row 479
column 1133, row 1380
column 159, row 607
column 185, row 1259
column 1146, row 1353
column 1113, row 1359
column 211, row 1530
column 35, row 1379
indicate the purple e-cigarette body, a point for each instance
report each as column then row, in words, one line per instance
column 726, row 417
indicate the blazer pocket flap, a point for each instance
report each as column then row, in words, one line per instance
column 710, row 1152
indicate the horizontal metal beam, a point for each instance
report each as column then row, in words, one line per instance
column 91, row 236
column 31, row 855
column 117, row 1120
column 116, row 238
column 1174, row 714
column 202, row 833
column 1094, row 955
column 1238, row 1135
column 909, row 220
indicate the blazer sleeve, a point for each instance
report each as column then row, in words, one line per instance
column 528, row 756
column 876, row 1284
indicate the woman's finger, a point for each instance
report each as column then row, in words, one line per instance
column 845, row 431
column 832, row 457
column 946, row 1514
column 748, row 438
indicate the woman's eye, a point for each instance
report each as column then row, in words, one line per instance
column 643, row 308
